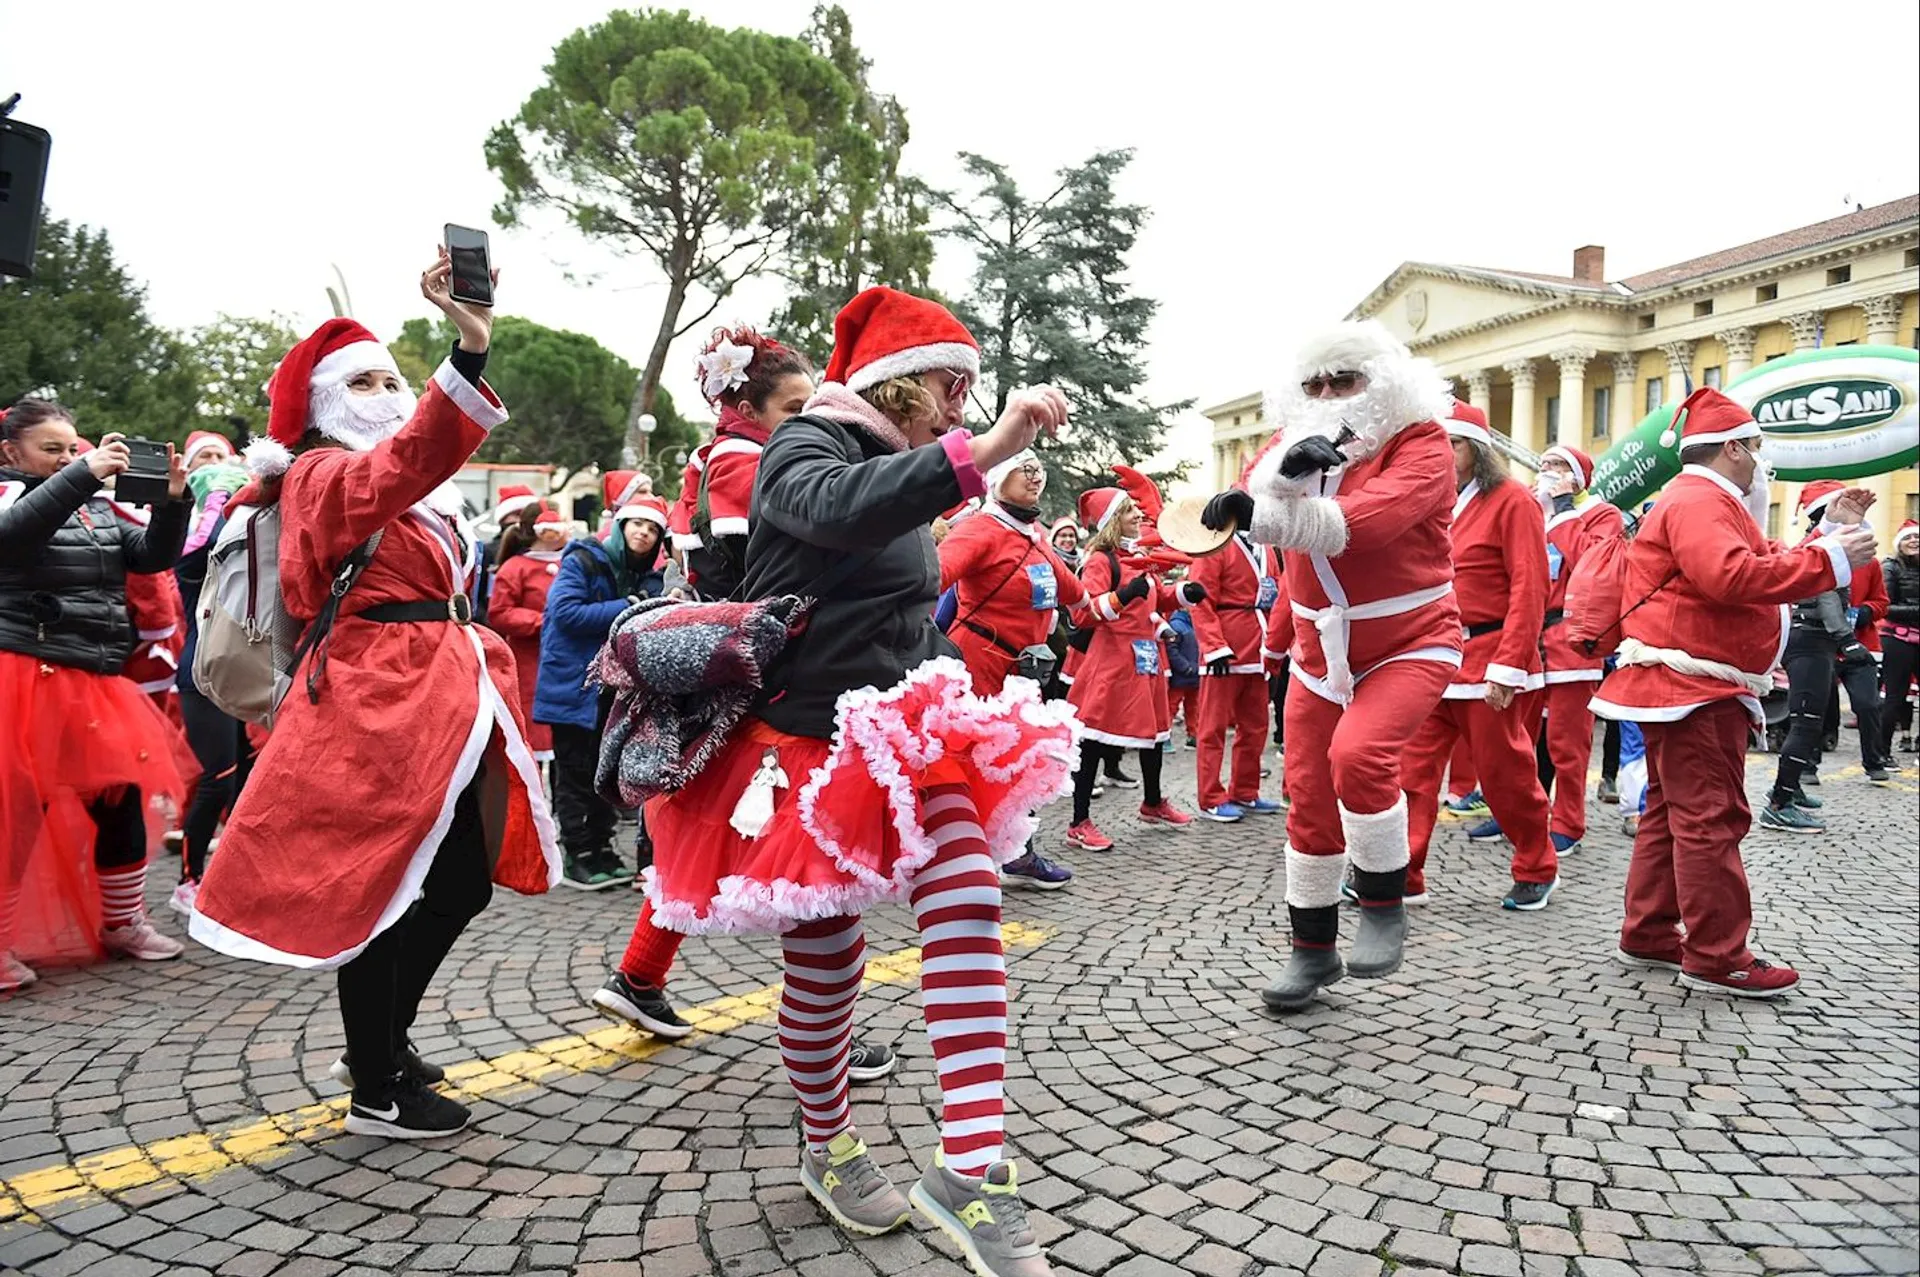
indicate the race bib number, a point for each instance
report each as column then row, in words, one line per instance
column 1046, row 589
column 1269, row 593
column 1554, row 561
column 1146, row 656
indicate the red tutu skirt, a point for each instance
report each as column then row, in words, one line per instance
column 68, row 737
column 845, row 832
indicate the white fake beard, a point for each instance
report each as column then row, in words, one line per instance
column 1400, row 392
column 1759, row 494
column 359, row 421
column 1543, row 495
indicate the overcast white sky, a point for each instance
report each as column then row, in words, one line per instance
column 1292, row 154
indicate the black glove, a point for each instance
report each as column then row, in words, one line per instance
column 1310, row 454
column 1220, row 666
column 1853, row 653
column 1231, row 509
column 1134, row 590
column 1194, row 592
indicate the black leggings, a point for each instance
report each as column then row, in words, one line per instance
column 1902, row 658
column 587, row 821
column 1092, row 755
column 1610, row 752
column 1862, row 681
column 1277, row 695
column 120, row 824
column 1809, row 666
column 220, row 744
column 380, row 990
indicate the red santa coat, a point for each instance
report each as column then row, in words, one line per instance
column 727, row 464
column 349, row 800
column 516, row 610
column 1010, row 584
column 1120, row 686
column 1243, row 585
column 1715, row 591
column 1569, row 535
column 1500, row 579
column 1387, row 595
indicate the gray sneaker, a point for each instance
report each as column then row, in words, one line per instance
column 851, row 1188
column 985, row 1217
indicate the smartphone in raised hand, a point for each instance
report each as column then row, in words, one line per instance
column 472, row 280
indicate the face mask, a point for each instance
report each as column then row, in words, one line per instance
column 360, row 421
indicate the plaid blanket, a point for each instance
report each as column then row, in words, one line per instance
column 683, row 675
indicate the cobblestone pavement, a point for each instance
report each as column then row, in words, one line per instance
column 1510, row 1103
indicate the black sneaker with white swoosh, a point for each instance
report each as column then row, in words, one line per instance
column 405, row 1111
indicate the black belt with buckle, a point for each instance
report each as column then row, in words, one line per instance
column 1484, row 627
column 457, row 608
column 1554, row 616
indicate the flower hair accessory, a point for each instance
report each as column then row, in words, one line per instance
column 724, row 368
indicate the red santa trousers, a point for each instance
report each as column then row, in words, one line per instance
column 1686, row 862
column 1349, row 758
column 1501, row 743
column 1461, row 778
column 1569, row 727
column 1238, row 701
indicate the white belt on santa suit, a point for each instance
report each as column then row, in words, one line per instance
column 1333, row 623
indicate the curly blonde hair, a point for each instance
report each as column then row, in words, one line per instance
column 904, row 400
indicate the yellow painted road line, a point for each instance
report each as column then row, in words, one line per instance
column 264, row 1140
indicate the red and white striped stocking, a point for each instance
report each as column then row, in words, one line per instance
column 825, row 960
column 122, row 895
column 963, row 979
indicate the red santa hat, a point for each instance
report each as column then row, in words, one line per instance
column 202, row 441
column 512, row 498
column 1464, row 421
column 329, row 356
column 1707, row 416
column 1907, row 529
column 1097, row 506
column 649, row 507
column 621, row 488
column 883, row 333
column 547, row 515
column 1579, row 462
column 1815, row 496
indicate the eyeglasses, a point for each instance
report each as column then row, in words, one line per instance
column 1341, row 384
column 1032, row 470
column 958, row 387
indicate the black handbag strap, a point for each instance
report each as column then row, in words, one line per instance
column 315, row 639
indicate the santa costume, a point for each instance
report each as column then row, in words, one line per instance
column 518, row 607
column 1242, row 581
column 1576, row 522
column 871, row 770
column 1500, row 579
column 1365, row 554
column 1709, row 595
column 722, row 469
column 1119, row 688
column 398, row 783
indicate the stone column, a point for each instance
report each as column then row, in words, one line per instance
column 1739, row 344
column 1679, row 368
column 1573, row 394
column 1480, row 387
column 1521, row 429
column 1883, row 320
column 1806, row 328
column 1626, row 380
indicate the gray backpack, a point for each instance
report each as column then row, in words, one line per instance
column 248, row 646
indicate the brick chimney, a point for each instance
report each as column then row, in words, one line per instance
column 1590, row 264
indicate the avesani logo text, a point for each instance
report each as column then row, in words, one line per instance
column 1846, row 404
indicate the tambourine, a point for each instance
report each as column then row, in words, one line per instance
column 1180, row 528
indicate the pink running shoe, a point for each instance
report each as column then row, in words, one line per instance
column 1165, row 814
column 1087, row 836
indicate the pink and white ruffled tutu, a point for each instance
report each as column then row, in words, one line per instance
column 844, row 832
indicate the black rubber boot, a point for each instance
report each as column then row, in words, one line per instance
column 1315, row 962
column 1382, row 933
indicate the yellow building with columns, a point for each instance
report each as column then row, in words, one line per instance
column 1580, row 359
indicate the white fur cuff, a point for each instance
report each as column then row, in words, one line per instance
column 1311, row 525
column 1313, row 882
column 1377, row 843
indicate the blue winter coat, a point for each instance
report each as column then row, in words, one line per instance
column 1183, row 652
column 585, row 601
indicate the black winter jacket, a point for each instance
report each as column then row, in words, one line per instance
column 1903, row 590
column 825, row 491
column 64, row 560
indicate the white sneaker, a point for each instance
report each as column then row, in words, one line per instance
column 14, row 974
column 182, row 899
column 139, row 940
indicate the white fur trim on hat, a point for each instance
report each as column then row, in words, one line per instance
column 350, row 361
column 641, row 510
column 1745, row 430
column 1573, row 463
column 1467, row 430
column 513, row 505
column 913, row 361
column 1007, row 467
column 267, row 458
